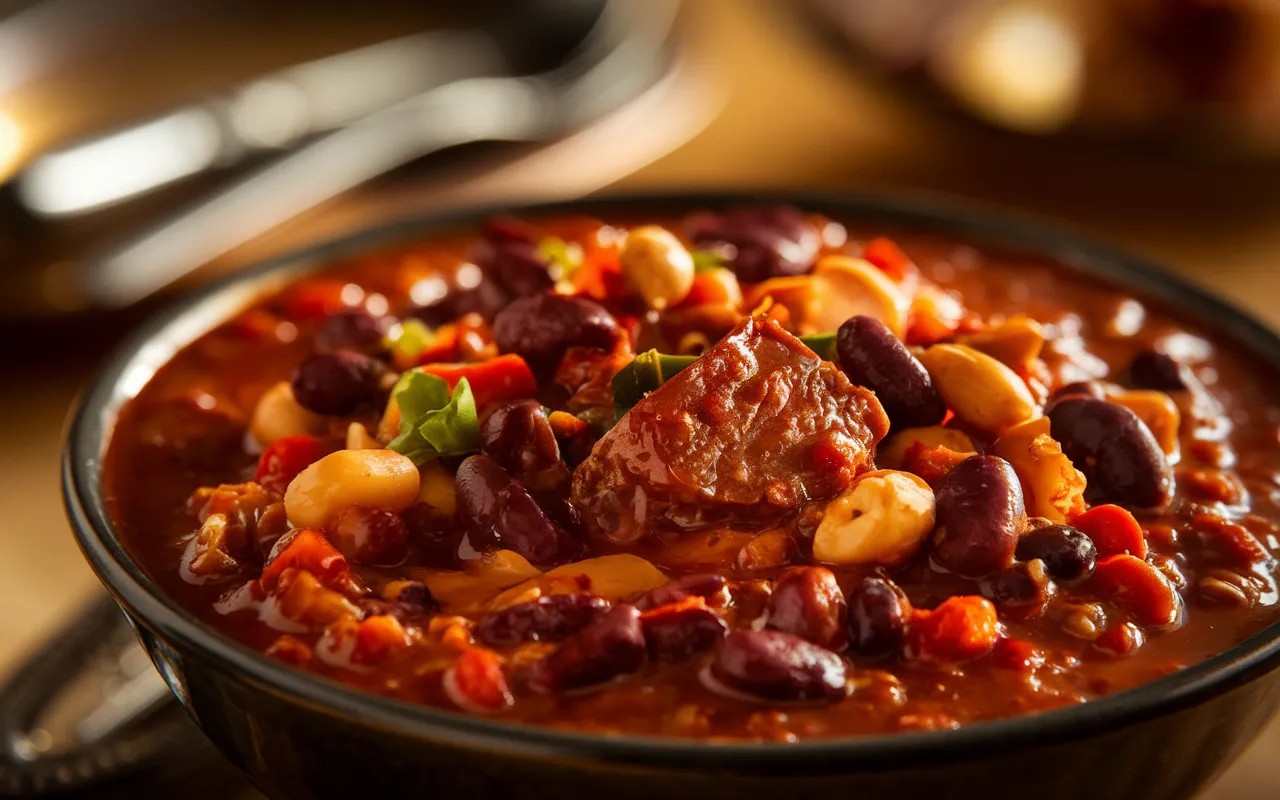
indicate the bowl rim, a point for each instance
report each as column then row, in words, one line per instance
column 134, row 361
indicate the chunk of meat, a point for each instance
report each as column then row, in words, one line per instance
column 755, row 427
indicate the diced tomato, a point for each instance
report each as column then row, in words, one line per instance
column 960, row 629
column 290, row 650
column 1137, row 587
column 499, row 379
column 477, row 681
column 284, row 459
column 600, row 275
column 315, row 299
column 378, row 637
column 1016, row 654
column 1113, row 531
column 1233, row 538
column 309, row 550
column 1121, row 640
column 565, row 425
column 888, row 258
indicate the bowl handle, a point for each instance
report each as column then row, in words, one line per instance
column 88, row 709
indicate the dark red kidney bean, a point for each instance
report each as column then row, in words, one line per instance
column 878, row 614
column 768, row 241
column 677, row 590
column 679, row 631
column 337, row 383
column 519, row 437
column 370, row 537
column 500, row 513
column 354, row 329
column 1068, row 555
column 1152, row 370
column 514, row 264
column 807, row 602
column 778, row 666
column 548, row 619
column 980, row 512
column 1024, row 587
column 1077, row 389
column 414, row 596
column 1120, row 458
column 540, row 329
column 486, row 299
column 873, row 357
column 607, row 648
column 436, row 536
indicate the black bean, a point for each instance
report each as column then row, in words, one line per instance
column 807, row 602
column 1114, row 449
column 679, row 631
column 878, row 614
column 1024, row 587
column 547, row 619
column 519, row 437
column 704, row 585
column 778, row 666
column 354, row 329
column 337, row 383
column 1153, row 370
column 767, row 241
column 873, row 357
column 980, row 512
column 498, row 512
column 609, row 647
column 541, row 328
column 1068, row 555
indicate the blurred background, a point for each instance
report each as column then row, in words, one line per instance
column 146, row 145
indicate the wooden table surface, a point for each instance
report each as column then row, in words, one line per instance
column 793, row 116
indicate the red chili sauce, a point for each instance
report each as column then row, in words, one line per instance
column 751, row 474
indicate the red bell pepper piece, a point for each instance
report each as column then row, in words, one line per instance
column 1113, row 531
column 315, row 300
column 284, row 459
column 309, row 550
column 476, row 681
column 378, row 637
column 499, row 379
column 886, row 256
column 960, row 629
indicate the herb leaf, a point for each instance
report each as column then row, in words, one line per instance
column 433, row 421
column 564, row 257
column 704, row 260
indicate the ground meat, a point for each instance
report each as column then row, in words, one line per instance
column 758, row 425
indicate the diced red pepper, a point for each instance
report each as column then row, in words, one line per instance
column 309, row 550
column 718, row 287
column 499, row 379
column 290, row 650
column 477, row 676
column 1016, row 654
column 256, row 325
column 888, row 258
column 600, row 275
column 443, row 348
column 565, row 425
column 1113, row 531
column 284, row 459
column 378, row 637
column 1137, row 587
column 960, row 629
column 315, row 299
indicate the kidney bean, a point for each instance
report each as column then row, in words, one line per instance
column 677, row 631
column 607, row 648
column 1024, row 587
column 436, row 535
column 371, row 537
column 1077, row 389
column 677, row 590
column 514, row 264
column 980, row 512
column 543, row 327
column 354, row 329
column 1068, row 554
column 807, row 602
column 768, row 241
column 337, row 382
column 778, row 666
column 1120, row 458
column 549, row 618
column 499, row 512
column 1152, row 370
column 519, row 437
column 415, row 597
column 873, row 357
column 486, row 299
column 877, row 617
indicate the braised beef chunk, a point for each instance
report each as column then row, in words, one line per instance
column 759, row 424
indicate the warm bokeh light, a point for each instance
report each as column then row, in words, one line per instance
column 10, row 144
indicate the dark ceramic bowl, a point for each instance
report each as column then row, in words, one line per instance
column 299, row 735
